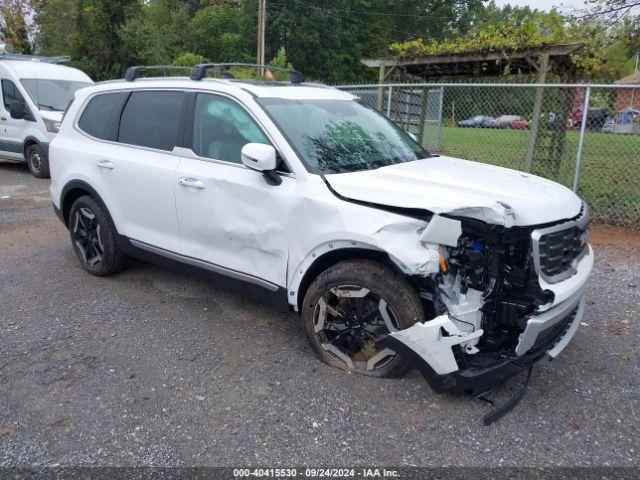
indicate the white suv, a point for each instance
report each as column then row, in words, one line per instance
column 393, row 256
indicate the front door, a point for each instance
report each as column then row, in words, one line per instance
column 12, row 129
column 229, row 216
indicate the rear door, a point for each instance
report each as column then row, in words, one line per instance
column 134, row 170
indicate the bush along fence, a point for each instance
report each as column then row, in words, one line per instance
column 586, row 137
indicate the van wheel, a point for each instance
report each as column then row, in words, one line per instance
column 351, row 306
column 93, row 237
column 37, row 161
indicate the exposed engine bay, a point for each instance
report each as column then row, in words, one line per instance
column 481, row 302
column 487, row 282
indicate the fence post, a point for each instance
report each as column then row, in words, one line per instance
column 537, row 110
column 583, row 128
column 423, row 115
column 389, row 101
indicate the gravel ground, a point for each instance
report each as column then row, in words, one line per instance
column 151, row 367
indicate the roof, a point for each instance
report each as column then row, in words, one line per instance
column 43, row 70
column 630, row 80
column 305, row 91
column 474, row 61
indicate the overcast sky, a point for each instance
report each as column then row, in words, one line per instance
column 546, row 4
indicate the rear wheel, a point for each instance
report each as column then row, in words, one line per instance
column 351, row 306
column 37, row 161
column 93, row 237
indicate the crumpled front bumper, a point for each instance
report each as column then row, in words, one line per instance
column 547, row 333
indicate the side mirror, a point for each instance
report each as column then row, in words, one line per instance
column 262, row 158
column 17, row 109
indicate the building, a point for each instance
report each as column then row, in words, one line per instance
column 628, row 97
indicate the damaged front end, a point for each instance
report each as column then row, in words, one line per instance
column 494, row 306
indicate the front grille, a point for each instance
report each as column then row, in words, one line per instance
column 558, row 250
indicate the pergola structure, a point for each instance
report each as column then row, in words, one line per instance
column 475, row 63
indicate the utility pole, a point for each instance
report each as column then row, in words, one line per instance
column 262, row 17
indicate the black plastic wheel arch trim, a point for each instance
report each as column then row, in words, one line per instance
column 82, row 185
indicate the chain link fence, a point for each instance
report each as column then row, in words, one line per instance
column 542, row 129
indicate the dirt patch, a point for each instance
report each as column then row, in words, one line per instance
column 614, row 236
column 26, row 234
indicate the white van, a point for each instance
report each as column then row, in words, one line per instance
column 35, row 93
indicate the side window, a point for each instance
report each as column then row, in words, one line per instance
column 10, row 93
column 100, row 117
column 151, row 119
column 222, row 127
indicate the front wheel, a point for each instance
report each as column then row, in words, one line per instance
column 352, row 305
column 37, row 161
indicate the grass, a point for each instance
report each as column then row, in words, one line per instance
column 609, row 174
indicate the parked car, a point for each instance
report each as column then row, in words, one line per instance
column 505, row 121
column 519, row 124
column 391, row 255
column 479, row 121
column 596, row 119
column 35, row 94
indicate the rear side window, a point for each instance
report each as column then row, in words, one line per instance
column 100, row 117
column 151, row 119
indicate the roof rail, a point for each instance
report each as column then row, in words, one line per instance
column 200, row 71
column 134, row 72
column 34, row 58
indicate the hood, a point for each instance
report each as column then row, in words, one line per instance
column 54, row 115
column 463, row 188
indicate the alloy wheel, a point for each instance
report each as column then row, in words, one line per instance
column 87, row 237
column 348, row 321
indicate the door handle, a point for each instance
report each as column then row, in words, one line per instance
column 191, row 182
column 105, row 164
column 4, row 119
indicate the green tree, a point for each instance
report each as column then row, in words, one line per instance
column 13, row 25
column 155, row 32
column 55, row 25
column 95, row 44
column 220, row 32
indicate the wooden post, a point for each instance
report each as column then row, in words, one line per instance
column 262, row 14
column 381, row 78
column 543, row 67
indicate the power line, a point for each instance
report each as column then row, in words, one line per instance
column 364, row 12
column 331, row 12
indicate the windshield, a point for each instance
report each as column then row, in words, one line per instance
column 51, row 94
column 335, row 136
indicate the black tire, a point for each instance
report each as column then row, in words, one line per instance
column 93, row 237
column 37, row 161
column 403, row 308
